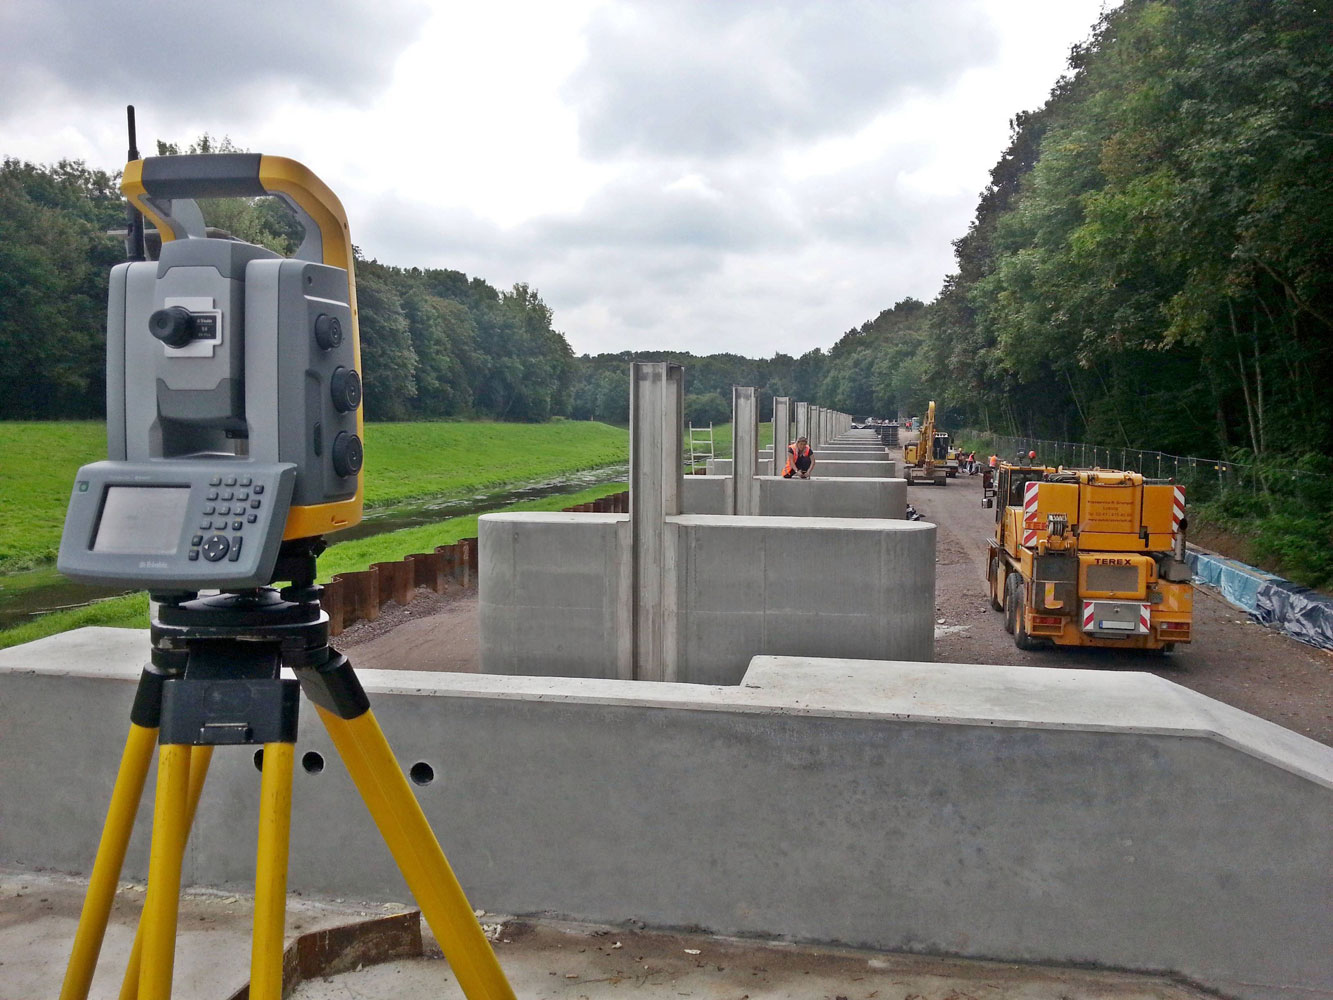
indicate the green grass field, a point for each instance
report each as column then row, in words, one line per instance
column 131, row 611
column 403, row 462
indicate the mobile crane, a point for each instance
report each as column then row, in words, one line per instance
column 1089, row 557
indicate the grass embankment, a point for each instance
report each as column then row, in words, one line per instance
column 131, row 611
column 403, row 462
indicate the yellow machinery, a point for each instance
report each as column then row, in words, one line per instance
column 925, row 459
column 1089, row 558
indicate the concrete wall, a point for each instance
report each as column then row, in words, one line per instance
column 817, row 497
column 780, row 497
column 839, row 469
column 1009, row 813
column 706, row 494
column 555, row 595
column 800, row 586
column 552, row 595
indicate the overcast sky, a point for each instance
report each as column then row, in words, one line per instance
column 721, row 175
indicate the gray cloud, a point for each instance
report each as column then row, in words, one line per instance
column 725, row 213
column 198, row 59
column 704, row 78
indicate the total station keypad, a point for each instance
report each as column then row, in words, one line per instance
column 230, row 503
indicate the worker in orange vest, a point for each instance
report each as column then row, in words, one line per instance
column 800, row 460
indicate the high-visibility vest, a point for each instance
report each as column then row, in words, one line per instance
column 792, row 456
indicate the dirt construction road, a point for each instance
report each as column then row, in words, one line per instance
column 1231, row 658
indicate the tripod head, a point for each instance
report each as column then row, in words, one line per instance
column 234, row 420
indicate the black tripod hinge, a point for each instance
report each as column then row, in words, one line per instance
column 223, row 711
column 334, row 687
column 147, row 708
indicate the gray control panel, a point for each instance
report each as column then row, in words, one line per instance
column 179, row 525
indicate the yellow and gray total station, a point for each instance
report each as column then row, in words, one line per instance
column 234, row 435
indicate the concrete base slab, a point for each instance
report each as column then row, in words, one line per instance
column 581, row 961
column 324, row 937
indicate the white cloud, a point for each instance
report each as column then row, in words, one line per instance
column 747, row 175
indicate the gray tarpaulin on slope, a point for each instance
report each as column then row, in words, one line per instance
column 1298, row 611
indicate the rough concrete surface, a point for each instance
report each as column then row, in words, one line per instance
column 570, row 962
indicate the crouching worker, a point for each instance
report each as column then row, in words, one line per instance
column 800, row 460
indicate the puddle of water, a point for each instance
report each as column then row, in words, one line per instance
column 34, row 592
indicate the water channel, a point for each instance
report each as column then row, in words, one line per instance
column 35, row 592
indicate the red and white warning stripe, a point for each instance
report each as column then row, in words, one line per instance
column 1145, row 617
column 1177, row 509
column 1030, row 502
column 1030, row 516
column 1088, row 614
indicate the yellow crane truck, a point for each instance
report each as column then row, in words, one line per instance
column 1089, row 557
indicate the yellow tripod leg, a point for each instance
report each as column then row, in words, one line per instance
column 199, row 761
column 164, row 872
column 125, row 796
column 275, row 821
column 408, row 835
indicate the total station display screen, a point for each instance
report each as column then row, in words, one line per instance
column 142, row 520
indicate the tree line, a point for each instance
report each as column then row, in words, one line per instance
column 1151, row 264
column 434, row 342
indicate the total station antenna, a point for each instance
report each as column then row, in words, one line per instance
column 134, row 238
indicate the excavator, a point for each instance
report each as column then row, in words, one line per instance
column 926, row 460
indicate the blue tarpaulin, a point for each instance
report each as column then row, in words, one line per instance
column 1237, row 582
column 1288, row 607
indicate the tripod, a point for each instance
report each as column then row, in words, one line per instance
column 215, row 679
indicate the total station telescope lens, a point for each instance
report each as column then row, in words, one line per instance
column 174, row 326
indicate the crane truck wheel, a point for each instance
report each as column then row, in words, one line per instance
column 1022, row 640
column 1013, row 584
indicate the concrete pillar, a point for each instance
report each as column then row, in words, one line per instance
column 781, row 432
column 803, row 420
column 744, row 450
column 656, row 409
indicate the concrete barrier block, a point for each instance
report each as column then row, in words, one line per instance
column 882, row 498
column 705, row 494
column 1108, row 818
column 834, row 468
column 803, row 586
column 554, row 593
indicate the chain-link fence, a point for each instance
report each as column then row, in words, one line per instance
column 1204, row 476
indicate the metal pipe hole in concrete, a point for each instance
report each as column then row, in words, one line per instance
column 311, row 761
column 421, row 773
